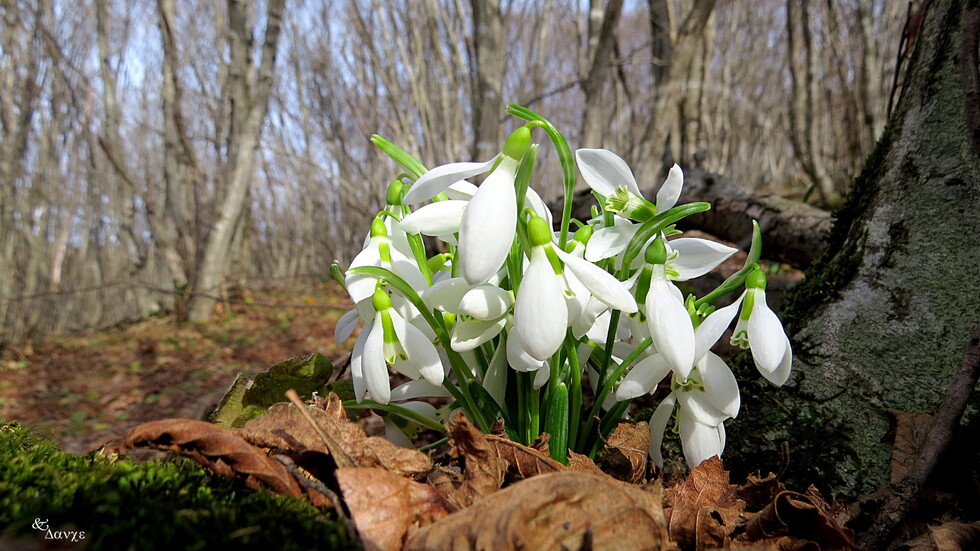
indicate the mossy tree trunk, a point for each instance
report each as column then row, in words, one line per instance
column 882, row 319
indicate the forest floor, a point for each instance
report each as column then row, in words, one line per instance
column 85, row 389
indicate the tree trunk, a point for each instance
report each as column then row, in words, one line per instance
column 250, row 102
column 488, row 45
column 594, row 115
column 880, row 323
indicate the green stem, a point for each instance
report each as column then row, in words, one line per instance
column 574, row 391
column 604, row 390
column 397, row 410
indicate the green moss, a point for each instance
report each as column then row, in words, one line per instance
column 838, row 264
column 155, row 505
column 806, row 443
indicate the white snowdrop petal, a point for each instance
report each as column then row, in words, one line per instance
column 441, row 177
column 713, row 327
column 518, row 358
column 345, row 326
column 695, row 402
column 533, row 200
column 766, row 336
column 697, row 257
column 394, row 434
column 670, row 326
column 780, row 375
column 468, row 334
column 439, row 218
column 541, row 377
column 604, row 171
column 720, row 386
column 446, row 294
column 540, row 313
column 461, row 190
column 486, row 302
column 406, row 268
column 488, row 225
column 658, row 425
column 356, row 363
column 603, row 285
column 643, row 378
column 610, row 241
column 374, row 370
column 423, row 354
column 671, row 190
column 698, row 441
column 419, row 388
column 495, row 380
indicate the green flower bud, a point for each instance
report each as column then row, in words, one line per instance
column 338, row 274
column 378, row 228
column 437, row 262
column 583, row 234
column 394, row 193
column 381, row 301
column 656, row 253
column 538, row 231
column 518, row 143
column 756, row 280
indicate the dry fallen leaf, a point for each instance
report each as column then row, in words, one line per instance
column 799, row 516
column 283, row 427
column 563, row 510
column 626, row 452
column 216, row 448
column 523, row 461
column 385, row 506
column 484, row 472
column 705, row 508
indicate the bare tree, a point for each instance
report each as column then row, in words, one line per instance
column 249, row 102
column 488, row 76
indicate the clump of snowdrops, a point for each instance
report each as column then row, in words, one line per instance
column 523, row 311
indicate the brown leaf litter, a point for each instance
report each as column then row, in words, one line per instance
column 492, row 493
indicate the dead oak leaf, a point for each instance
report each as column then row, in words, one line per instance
column 626, row 452
column 385, row 506
column 705, row 508
column 562, row 510
column 219, row 449
column 284, row 427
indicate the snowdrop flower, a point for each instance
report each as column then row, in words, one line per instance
column 484, row 306
column 541, row 311
column 389, row 339
column 489, row 222
column 380, row 252
column 668, row 320
column 610, row 176
column 759, row 329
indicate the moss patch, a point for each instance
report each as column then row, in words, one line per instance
column 155, row 505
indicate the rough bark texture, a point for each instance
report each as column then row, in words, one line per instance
column 881, row 321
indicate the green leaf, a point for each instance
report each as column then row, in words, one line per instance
column 400, row 156
column 556, row 424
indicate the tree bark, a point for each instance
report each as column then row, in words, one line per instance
column 803, row 134
column 593, row 114
column 250, row 102
column 880, row 323
column 488, row 47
